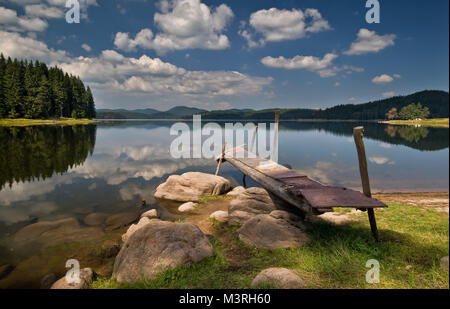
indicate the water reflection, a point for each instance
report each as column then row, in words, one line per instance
column 49, row 174
column 34, row 153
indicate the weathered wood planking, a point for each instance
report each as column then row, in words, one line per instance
column 295, row 187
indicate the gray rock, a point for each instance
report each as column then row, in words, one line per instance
column 5, row 270
column 47, row 281
column 132, row 229
column 151, row 214
column 188, row 207
column 192, row 187
column 87, row 275
column 220, row 216
column 158, row 246
column 253, row 201
column 121, row 220
column 278, row 277
column 236, row 191
column 444, row 262
column 267, row 232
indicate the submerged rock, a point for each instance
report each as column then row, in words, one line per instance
column 158, row 246
column 220, row 216
column 278, row 277
column 5, row 270
column 192, row 187
column 109, row 249
column 269, row 232
column 120, row 220
column 95, row 219
column 253, row 201
column 188, row 207
column 87, row 275
column 55, row 232
column 47, row 281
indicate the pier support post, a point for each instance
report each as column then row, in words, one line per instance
column 358, row 133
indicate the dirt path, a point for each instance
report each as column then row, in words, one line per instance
column 438, row 201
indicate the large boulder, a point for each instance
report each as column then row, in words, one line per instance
column 251, row 202
column 272, row 232
column 87, row 275
column 236, row 191
column 158, row 246
column 192, row 187
column 281, row 278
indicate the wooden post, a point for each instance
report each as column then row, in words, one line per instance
column 275, row 139
column 221, row 158
column 358, row 133
column 252, row 145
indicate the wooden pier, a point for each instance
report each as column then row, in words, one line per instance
column 296, row 189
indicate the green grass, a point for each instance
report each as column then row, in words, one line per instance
column 207, row 199
column 436, row 123
column 335, row 258
column 38, row 122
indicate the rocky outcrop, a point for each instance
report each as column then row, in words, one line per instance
column 192, row 187
column 281, row 278
column 158, row 246
column 273, row 232
column 253, row 201
column 220, row 216
column 87, row 275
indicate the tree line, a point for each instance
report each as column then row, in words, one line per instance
column 32, row 90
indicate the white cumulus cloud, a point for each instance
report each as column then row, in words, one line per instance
column 369, row 42
column 183, row 24
column 276, row 25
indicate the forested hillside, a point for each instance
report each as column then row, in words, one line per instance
column 34, row 91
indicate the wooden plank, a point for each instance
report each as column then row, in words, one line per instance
column 293, row 186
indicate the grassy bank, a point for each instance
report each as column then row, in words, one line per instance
column 39, row 122
column 413, row 239
column 436, row 123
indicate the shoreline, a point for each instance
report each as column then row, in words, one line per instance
column 21, row 122
column 431, row 123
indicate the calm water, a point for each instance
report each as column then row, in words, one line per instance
column 54, row 173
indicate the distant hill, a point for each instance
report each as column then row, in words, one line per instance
column 437, row 101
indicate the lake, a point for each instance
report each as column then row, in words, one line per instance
column 57, row 176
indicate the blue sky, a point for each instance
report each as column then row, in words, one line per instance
column 235, row 54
